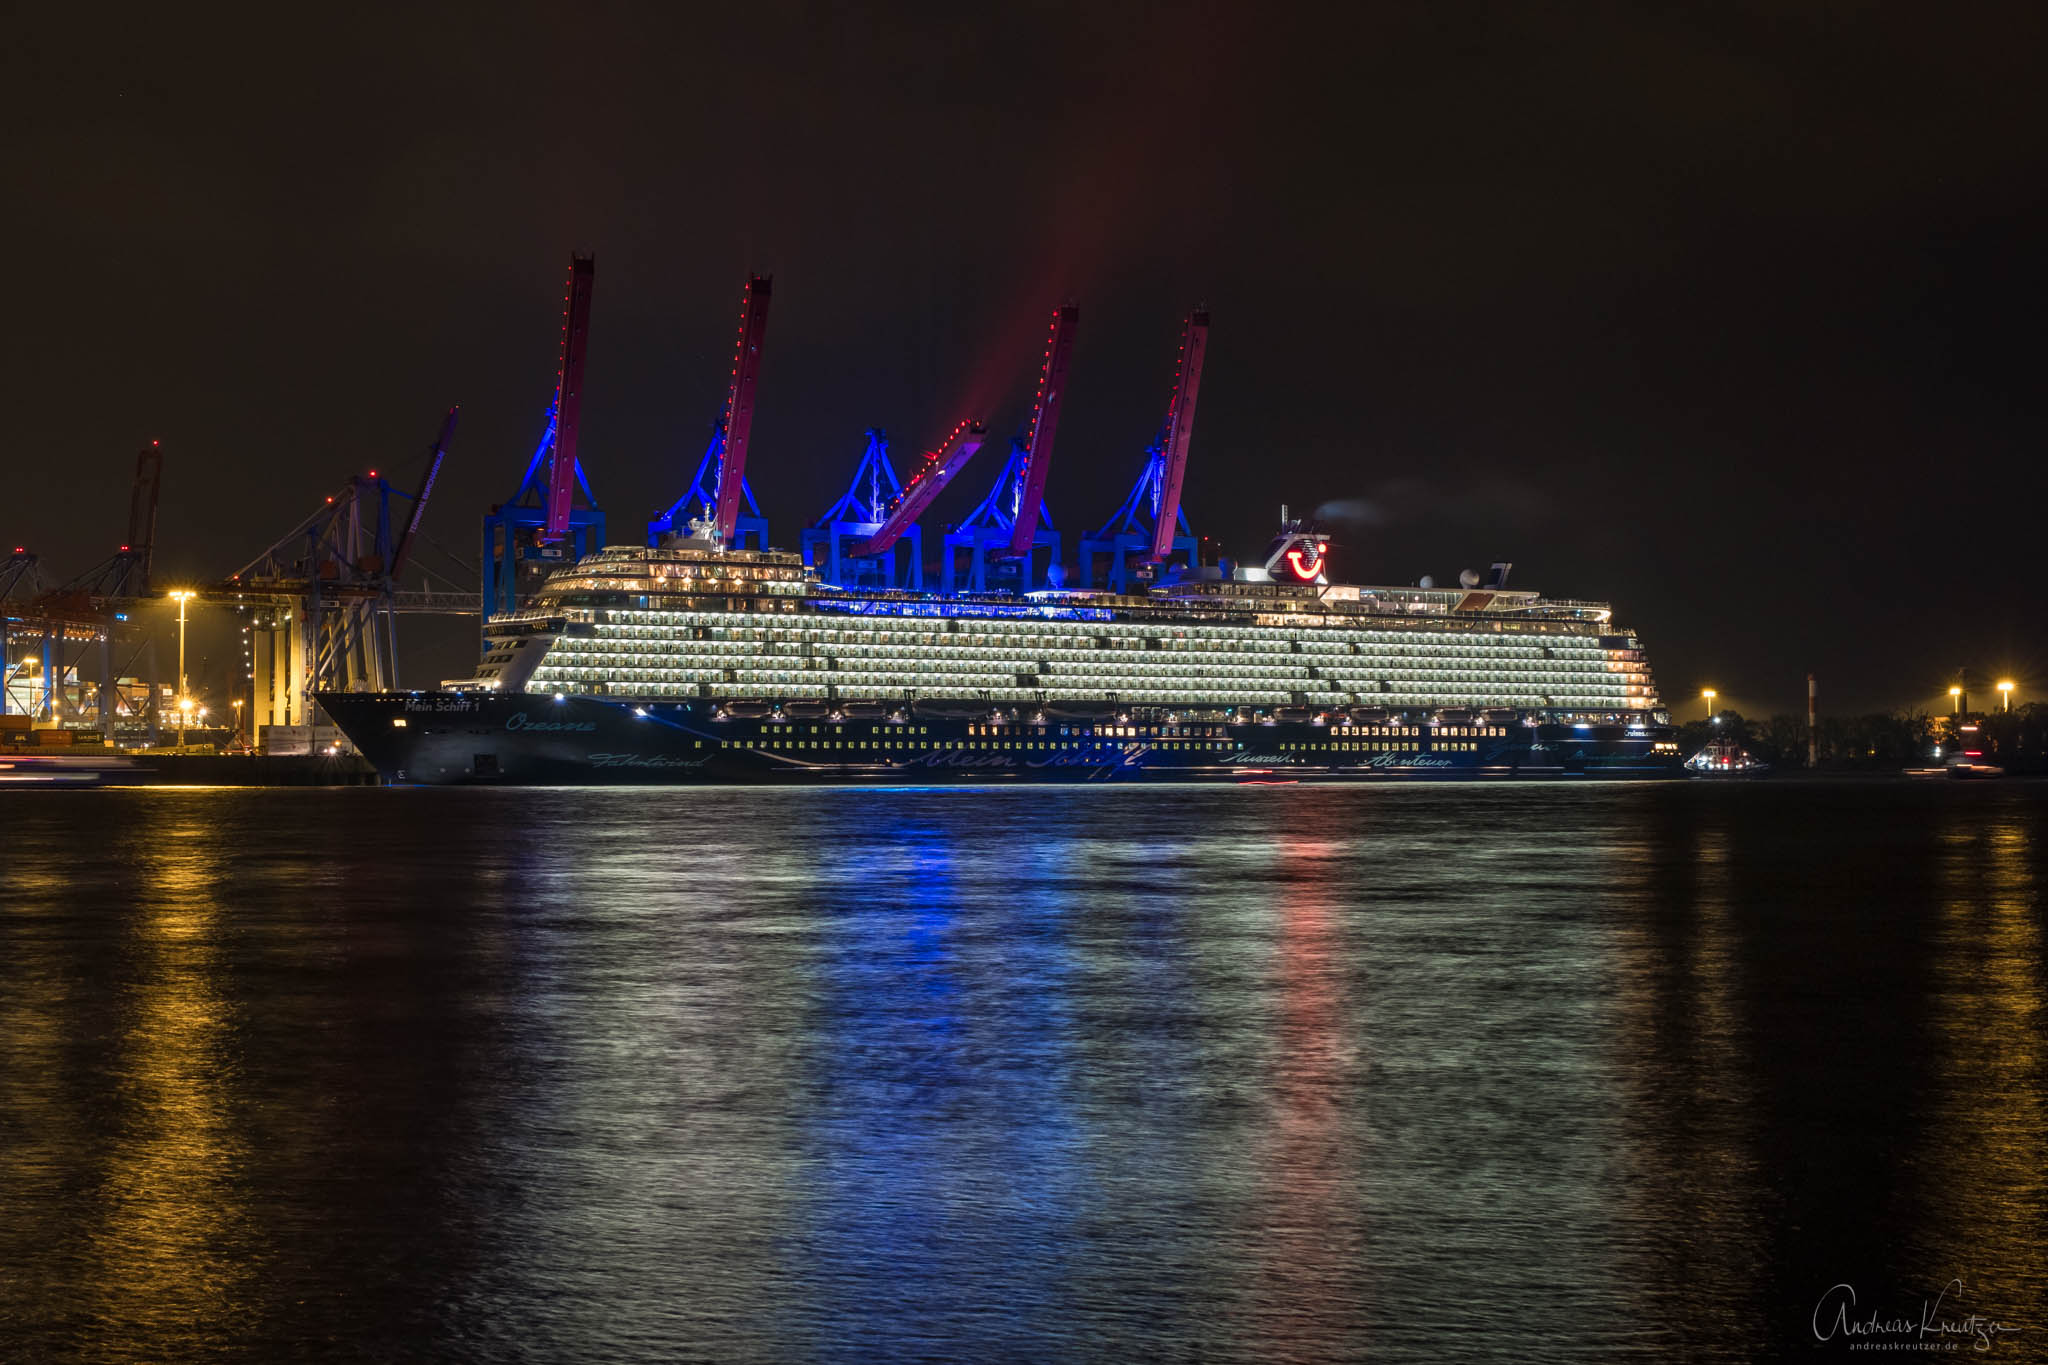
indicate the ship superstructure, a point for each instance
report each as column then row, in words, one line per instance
column 745, row 626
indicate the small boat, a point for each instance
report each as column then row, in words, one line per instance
column 1963, row 766
column 30, row 768
column 1724, row 757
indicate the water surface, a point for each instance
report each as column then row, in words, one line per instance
column 1546, row 1072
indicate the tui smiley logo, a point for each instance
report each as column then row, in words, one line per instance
column 1307, row 569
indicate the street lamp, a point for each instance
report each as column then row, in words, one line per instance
column 181, row 596
column 1707, row 695
column 1955, row 701
column 237, row 704
column 2005, row 692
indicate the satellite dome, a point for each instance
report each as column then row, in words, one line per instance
column 1426, row 582
column 1468, row 578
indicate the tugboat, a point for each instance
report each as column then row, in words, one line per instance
column 1968, row 761
column 1723, row 758
column 1970, row 764
column 1965, row 763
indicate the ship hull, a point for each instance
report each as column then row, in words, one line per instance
column 437, row 738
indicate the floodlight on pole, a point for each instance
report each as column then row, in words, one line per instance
column 181, row 596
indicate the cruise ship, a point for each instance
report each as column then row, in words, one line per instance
column 690, row 662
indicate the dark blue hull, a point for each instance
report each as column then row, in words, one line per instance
column 467, row 737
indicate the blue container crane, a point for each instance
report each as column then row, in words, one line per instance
column 721, row 483
column 539, row 528
column 828, row 542
column 1152, row 527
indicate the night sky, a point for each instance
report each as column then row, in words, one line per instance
column 1729, row 316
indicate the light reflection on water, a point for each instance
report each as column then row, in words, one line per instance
column 1479, row 1073
column 1979, row 1219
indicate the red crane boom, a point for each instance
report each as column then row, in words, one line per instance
column 1180, row 425
column 426, row 490
column 1045, row 420
column 739, row 403
column 927, row 483
column 568, row 397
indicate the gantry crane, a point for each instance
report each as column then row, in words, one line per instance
column 85, row 613
column 563, row 471
column 721, row 484
column 21, row 583
column 324, row 599
column 1016, row 532
column 1045, row 420
column 1134, row 548
column 984, row 534
column 828, row 542
column 125, row 573
column 436, row 457
column 539, row 528
column 939, row 468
